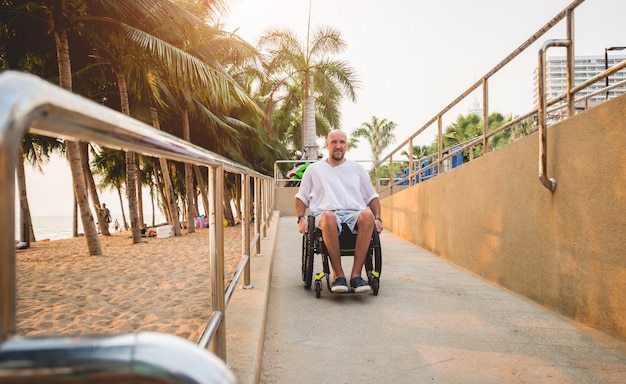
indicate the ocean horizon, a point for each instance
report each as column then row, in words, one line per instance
column 60, row 227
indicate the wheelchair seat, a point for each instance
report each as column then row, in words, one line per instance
column 313, row 244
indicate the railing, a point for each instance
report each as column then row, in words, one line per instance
column 282, row 167
column 29, row 103
column 444, row 155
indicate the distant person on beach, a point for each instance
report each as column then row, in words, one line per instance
column 116, row 225
column 146, row 232
column 107, row 214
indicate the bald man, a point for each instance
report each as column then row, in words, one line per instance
column 339, row 191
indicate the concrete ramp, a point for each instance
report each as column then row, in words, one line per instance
column 432, row 322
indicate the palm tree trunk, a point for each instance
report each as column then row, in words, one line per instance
column 131, row 165
column 228, row 211
column 27, row 234
column 167, row 181
column 188, row 177
column 73, row 152
column 203, row 190
column 310, row 131
column 119, row 194
column 75, row 217
column 140, row 193
column 95, row 198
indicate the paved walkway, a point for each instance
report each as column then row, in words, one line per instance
column 431, row 322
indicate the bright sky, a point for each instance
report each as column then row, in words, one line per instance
column 412, row 57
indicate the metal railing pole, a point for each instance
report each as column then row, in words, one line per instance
column 216, row 256
column 257, row 214
column 245, row 226
column 549, row 183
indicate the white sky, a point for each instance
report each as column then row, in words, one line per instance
column 412, row 57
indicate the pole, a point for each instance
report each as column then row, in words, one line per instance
column 606, row 66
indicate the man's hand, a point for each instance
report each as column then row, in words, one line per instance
column 303, row 225
column 379, row 225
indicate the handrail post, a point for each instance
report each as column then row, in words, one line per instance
column 549, row 183
column 10, row 140
column 410, row 156
column 391, row 175
column 257, row 213
column 439, row 143
column 485, row 116
column 245, row 226
column 265, row 208
column 571, row 62
column 216, row 256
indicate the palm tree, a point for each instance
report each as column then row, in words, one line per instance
column 297, row 74
column 63, row 16
column 378, row 133
column 109, row 165
column 36, row 151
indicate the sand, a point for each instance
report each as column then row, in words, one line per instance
column 161, row 285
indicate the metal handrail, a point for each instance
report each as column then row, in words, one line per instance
column 565, row 13
column 549, row 183
column 30, row 103
column 129, row 358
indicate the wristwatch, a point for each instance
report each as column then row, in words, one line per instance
column 300, row 217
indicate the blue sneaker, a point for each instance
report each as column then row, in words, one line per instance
column 340, row 285
column 359, row 285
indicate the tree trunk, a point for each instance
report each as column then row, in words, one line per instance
column 80, row 191
column 119, row 194
column 238, row 197
column 27, row 234
column 228, row 211
column 203, row 190
column 131, row 166
column 72, row 150
column 140, row 192
column 167, row 181
column 75, row 217
column 162, row 195
column 188, row 178
column 95, row 198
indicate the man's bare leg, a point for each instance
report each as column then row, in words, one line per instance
column 330, row 234
column 365, row 226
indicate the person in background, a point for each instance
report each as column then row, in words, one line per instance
column 107, row 215
column 146, row 232
column 116, row 225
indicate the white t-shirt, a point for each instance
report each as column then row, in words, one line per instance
column 344, row 187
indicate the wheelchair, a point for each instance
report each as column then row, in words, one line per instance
column 313, row 243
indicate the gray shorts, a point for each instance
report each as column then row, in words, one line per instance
column 343, row 216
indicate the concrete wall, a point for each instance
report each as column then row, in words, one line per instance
column 565, row 250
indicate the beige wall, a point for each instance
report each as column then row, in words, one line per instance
column 565, row 250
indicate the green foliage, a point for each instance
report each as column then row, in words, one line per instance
column 289, row 66
column 378, row 133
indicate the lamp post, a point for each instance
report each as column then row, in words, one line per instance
column 606, row 65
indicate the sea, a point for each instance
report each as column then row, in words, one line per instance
column 60, row 227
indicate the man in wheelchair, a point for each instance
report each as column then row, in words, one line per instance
column 338, row 191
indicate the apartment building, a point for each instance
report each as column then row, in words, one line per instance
column 586, row 67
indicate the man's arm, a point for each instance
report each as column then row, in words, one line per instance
column 375, row 208
column 303, row 225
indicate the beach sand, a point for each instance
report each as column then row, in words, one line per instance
column 161, row 285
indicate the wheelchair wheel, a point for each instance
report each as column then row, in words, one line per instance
column 303, row 257
column 318, row 289
column 309, row 253
column 375, row 284
column 376, row 264
column 378, row 257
